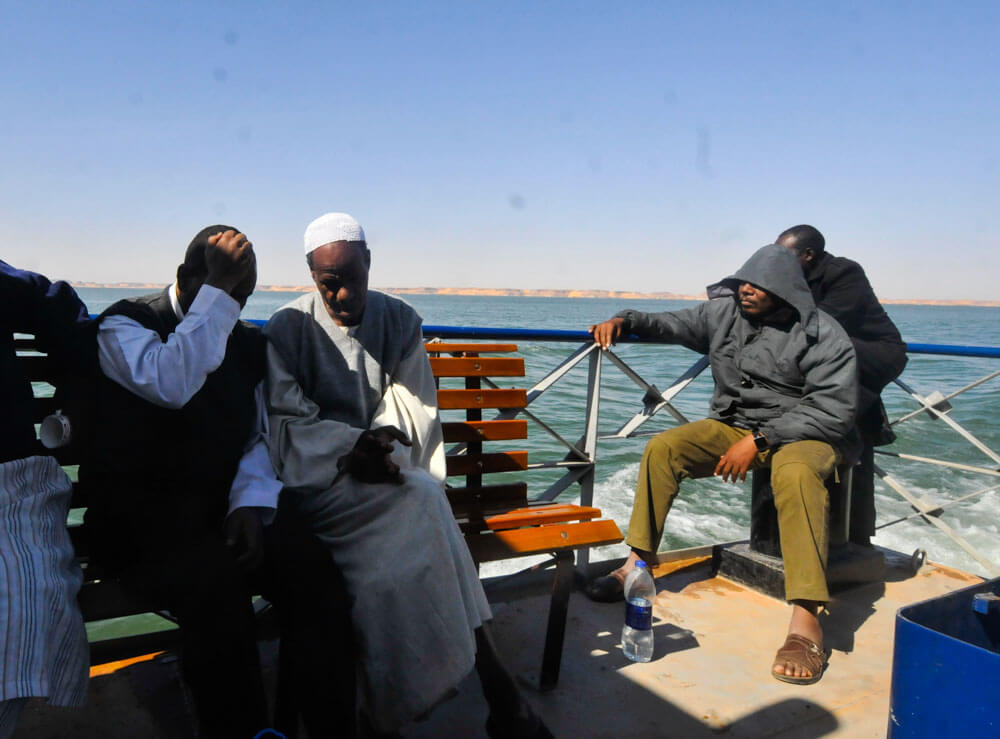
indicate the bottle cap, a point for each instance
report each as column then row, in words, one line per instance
column 640, row 563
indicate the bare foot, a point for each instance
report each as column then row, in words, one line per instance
column 804, row 623
column 628, row 565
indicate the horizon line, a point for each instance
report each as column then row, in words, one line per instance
column 535, row 293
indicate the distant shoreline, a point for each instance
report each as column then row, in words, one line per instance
column 524, row 293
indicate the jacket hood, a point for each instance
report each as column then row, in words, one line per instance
column 777, row 270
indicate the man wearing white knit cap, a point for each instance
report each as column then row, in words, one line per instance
column 356, row 440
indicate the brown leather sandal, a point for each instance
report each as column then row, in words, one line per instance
column 607, row 589
column 798, row 650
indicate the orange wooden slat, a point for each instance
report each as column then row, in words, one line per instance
column 477, row 366
column 485, row 430
column 472, row 506
column 542, row 539
column 110, row 667
column 464, row 399
column 450, row 348
column 499, row 497
column 538, row 515
column 475, row 464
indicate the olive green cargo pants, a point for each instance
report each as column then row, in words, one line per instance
column 798, row 472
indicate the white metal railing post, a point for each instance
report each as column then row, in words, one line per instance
column 589, row 441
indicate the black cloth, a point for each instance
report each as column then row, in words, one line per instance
column 58, row 319
column 152, row 475
column 841, row 289
column 203, row 587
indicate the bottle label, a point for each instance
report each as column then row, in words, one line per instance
column 639, row 614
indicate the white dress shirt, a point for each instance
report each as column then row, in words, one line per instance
column 169, row 373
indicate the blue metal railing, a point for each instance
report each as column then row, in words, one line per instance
column 547, row 334
column 527, row 334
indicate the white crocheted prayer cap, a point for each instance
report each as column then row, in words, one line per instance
column 332, row 227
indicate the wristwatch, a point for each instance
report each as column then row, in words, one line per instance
column 761, row 441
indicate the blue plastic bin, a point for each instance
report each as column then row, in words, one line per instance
column 946, row 666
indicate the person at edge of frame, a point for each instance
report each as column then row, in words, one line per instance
column 43, row 651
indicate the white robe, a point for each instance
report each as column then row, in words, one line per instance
column 416, row 596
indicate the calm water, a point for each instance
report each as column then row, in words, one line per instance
column 709, row 510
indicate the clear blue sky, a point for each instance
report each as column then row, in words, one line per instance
column 620, row 146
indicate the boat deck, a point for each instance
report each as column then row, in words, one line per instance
column 715, row 641
column 709, row 675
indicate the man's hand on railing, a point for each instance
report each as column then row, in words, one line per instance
column 607, row 333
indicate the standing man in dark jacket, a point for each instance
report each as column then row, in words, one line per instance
column 785, row 397
column 840, row 287
column 181, row 492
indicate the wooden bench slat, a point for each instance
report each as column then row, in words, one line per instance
column 106, row 599
column 125, row 647
column 465, row 399
column 42, row 407
column 37, row 368
column 78, row 537
column 543, row 539
column 476, row 464
column 477, row 366
column 473, row 505
column 484, row 430
column 455, row 347
column 511, row 491
column 78, row 500
column 542, row 514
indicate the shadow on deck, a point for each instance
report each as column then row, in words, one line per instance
column 715, row 640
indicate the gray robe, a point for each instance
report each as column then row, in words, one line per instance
column 416, row 595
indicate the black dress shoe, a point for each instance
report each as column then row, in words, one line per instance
column 607, row 589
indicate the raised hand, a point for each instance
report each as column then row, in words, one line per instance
column 229, row 258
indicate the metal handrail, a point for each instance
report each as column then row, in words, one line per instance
column 581, row 460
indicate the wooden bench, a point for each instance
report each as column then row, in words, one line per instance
column 498, row 521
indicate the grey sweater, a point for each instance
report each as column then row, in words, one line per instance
column 792, row 376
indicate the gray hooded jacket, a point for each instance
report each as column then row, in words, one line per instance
column 792, row 376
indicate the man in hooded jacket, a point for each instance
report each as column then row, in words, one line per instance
column 785, row 398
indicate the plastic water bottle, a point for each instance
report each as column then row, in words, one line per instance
column 637, row 633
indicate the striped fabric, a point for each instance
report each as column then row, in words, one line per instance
column 43, row 643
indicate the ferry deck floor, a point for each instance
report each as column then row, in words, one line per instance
column 709, row 676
